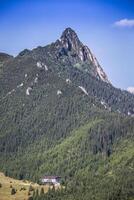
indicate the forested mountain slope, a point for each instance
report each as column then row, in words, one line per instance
column 59, row 114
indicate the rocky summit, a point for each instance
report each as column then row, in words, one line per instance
column 70, row 42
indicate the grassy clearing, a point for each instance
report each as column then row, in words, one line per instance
column 22, row 188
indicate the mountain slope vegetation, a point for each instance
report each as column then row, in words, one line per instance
column 60, row 115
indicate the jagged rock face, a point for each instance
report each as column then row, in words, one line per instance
column 71, row 42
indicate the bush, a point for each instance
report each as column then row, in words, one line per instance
column 13, row 191
column 22, row 188
column 30, row 198
column 42, row 191
column 31, row 188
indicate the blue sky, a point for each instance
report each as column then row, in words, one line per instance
column 106, row 26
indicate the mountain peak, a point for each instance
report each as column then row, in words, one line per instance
column 69, row 32
column 70, row 40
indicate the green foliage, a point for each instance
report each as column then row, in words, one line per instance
column 42, row 192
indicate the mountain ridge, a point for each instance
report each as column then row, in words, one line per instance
column 68, row 42
column 57, row 58
column 59, row 117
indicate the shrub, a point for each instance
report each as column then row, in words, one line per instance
column 13, row 191
column 30, row 198
column 31, row 188
column 22, row 188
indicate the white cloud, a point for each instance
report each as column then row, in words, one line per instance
column 124, row 23
column 130, row 89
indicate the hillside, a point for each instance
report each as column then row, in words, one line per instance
column 21, row 187
column 60, row 114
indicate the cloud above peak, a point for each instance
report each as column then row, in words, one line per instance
column 124, row 23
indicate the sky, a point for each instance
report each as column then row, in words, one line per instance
column 105, row 26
